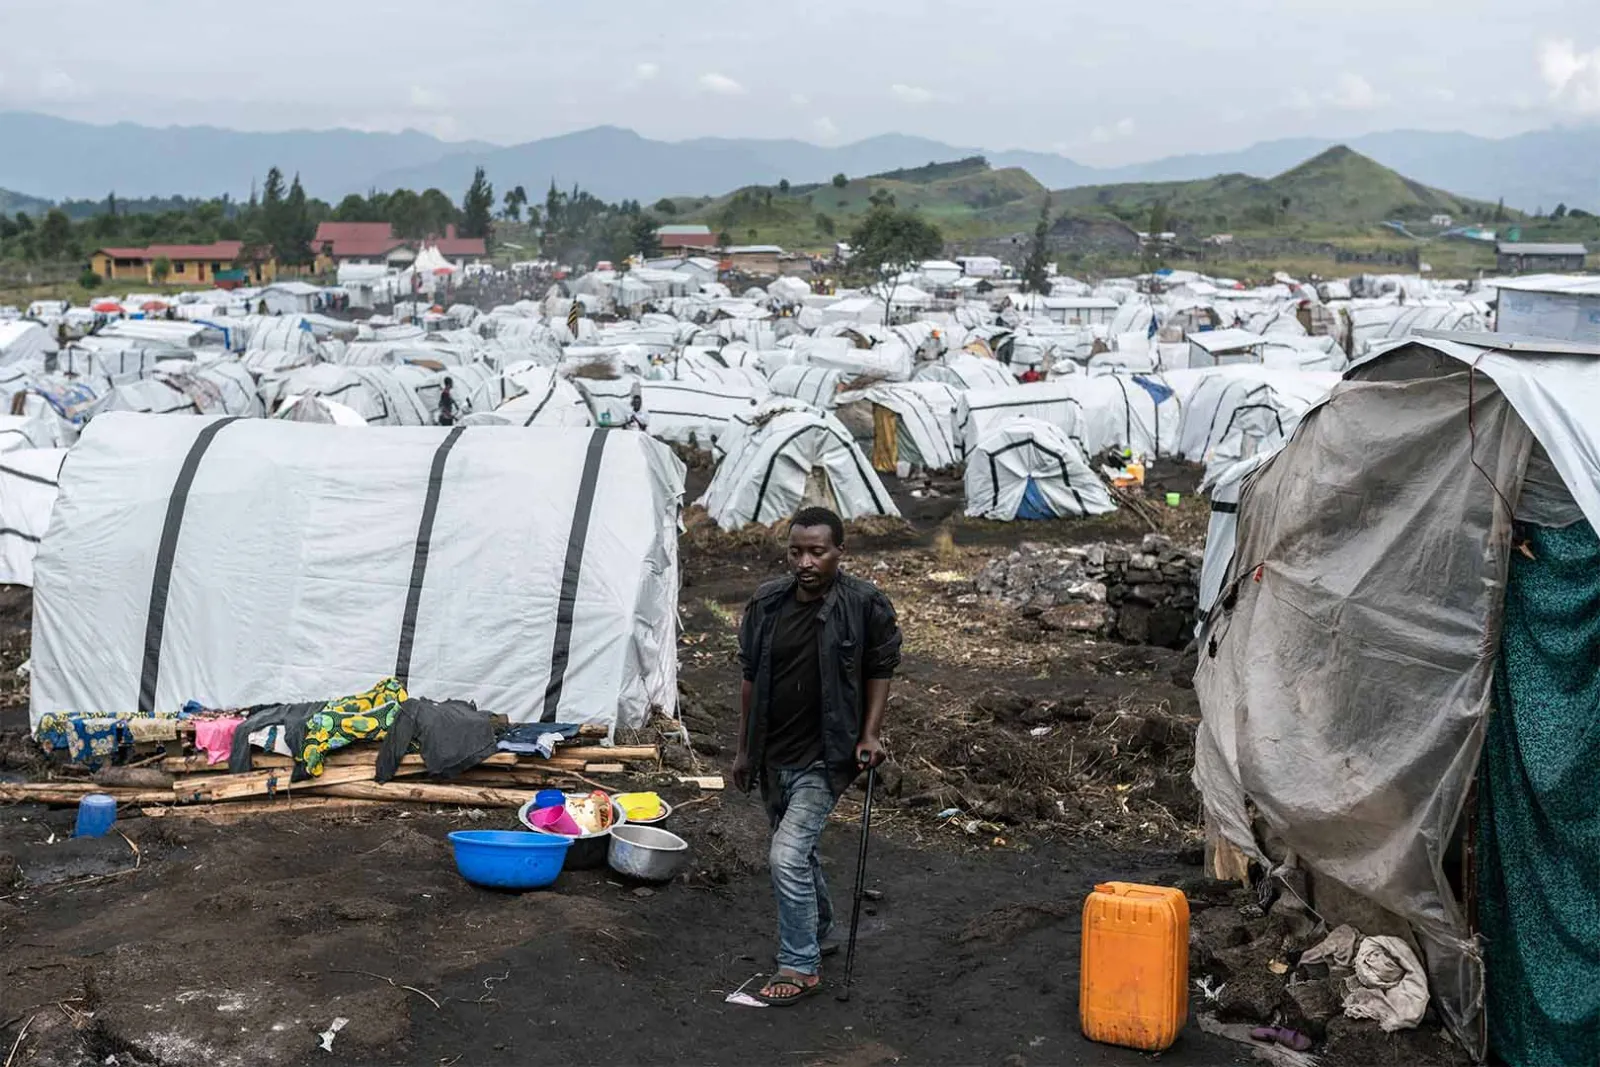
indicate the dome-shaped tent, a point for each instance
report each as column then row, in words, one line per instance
column 1025, row 468
column 790, row 458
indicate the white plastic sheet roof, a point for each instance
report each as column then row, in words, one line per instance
column 1021, row 452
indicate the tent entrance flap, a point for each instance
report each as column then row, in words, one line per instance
column 819, row 491
column 1539, row 824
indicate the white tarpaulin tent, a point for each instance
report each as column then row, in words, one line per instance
column 240, row 562
column 966, row 371
column 693, row 414
column 788, row 458
column 1028, row 469
column 21, row 341
column 1229, row 407
column 546, row 398
column 925, row 414
column 318, row 409
column 815, row 385
column 27, row 494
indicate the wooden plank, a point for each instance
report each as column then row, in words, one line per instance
column 431, row 793
column 346, row 757
column 605, row 768
column 198, row 788
column 52, row 793
column 613, row 754
column 243, row 808
column 710, row 781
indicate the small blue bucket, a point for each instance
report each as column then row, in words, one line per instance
column 96, row 814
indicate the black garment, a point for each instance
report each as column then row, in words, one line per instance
column 794, row 719
column 447, row 408
column 293, row 719
column 453, row 736
column 858, row 641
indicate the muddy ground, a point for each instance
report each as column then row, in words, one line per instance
column 189, row 943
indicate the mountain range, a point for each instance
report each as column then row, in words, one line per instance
column 44, row 157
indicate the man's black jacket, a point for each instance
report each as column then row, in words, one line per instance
column 859, row 641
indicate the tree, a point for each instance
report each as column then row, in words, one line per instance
column 724, row 239
column 1560, row 212
column 89, row 279
column 1500, row 210
column 353, row 208
column 1036, row 269
column 437, row 211
column 477, row 207
column 840, row 181
column 888, row 243
column 783, row 186
column 665, row 206
column 160, row 269
column 54, row 240
column 516, row 199
column 111, row 204
column 293, row 241
column 1158, row 218
column 642, row 236
column 825, row 224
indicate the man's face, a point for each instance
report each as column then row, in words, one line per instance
column 813, row 557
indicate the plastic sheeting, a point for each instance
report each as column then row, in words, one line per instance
column 1104, row 411
column 28, row 480
column 1026, row 459
column 965, row 371
column 1344, row 672
column 787, row 457
column 243, row 562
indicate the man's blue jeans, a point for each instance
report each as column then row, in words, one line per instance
column 805, row 913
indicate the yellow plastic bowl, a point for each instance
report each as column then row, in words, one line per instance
column 640, row 806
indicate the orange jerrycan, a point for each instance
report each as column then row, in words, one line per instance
column 1134, row 986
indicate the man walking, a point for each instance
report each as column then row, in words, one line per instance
column 447, row 403
column 818, row 649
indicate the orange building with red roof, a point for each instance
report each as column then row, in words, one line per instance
column 186, row 264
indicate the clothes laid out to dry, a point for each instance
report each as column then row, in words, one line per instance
column 452, row 736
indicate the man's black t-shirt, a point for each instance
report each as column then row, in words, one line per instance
column 794, row 726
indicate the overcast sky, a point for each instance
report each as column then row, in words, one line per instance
column 1103, row 82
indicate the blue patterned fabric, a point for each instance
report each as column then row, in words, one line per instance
column 1539, row 805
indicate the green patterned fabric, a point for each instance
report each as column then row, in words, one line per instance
column 1539, row 832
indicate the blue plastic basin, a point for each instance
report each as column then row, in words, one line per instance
column 509, row 859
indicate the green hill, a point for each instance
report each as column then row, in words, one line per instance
column 959, row 197
column 1339, row 192
column 11, row 203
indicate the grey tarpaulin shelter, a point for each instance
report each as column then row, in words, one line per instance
column 247, row 561
column 1345, row 670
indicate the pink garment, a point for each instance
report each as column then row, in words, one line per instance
column 214, row 737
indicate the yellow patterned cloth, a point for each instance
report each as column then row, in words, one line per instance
column 364, row 717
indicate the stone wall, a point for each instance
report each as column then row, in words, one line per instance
column 1145, row 593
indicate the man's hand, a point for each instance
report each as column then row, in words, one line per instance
column 870, row 752
column 741, row 771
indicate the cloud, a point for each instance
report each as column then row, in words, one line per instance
column 911, row 94
column 425, row 98
column 57, row 86
column 1115, row 132
column 825, row 129
column 799, row 99
column 720, row 84
column 1441, row 95
column 1352, row 92
column 646, row 72
column 1573, row 77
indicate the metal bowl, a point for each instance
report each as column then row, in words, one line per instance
column 589, row 851
column 647, row 854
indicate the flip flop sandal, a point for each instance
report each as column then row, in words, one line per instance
column 793, row 983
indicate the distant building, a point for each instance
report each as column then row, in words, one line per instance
column 685, row 238
column 375, row 244
column 1517, row 257
column 186, row 264
column 1220, row 239
column 980, row 266
column 754, row 259
column 1441, row 220
column 1557, row 306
